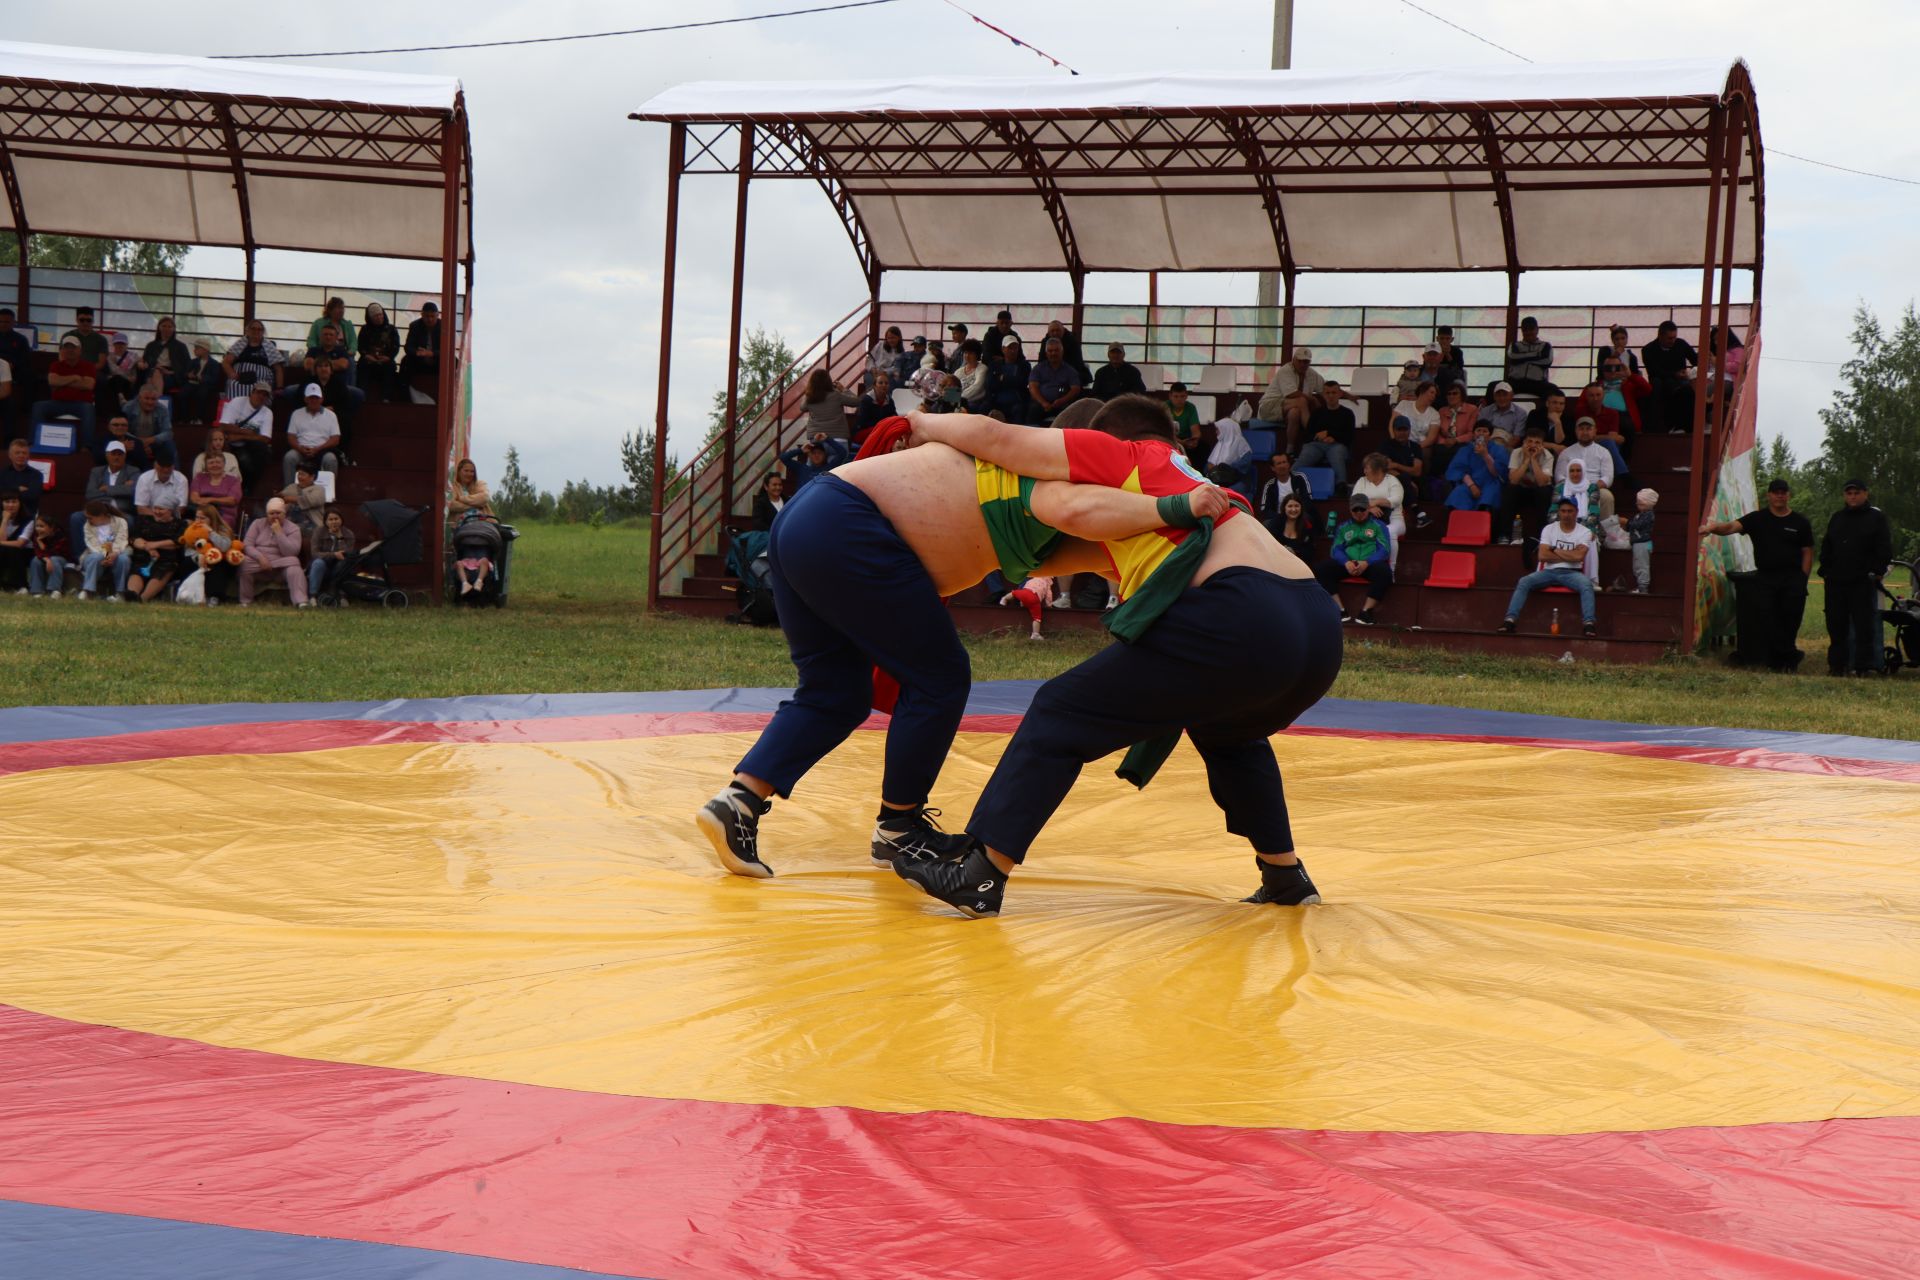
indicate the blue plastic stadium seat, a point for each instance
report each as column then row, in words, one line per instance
column 1264, row 443
column 1319, row 482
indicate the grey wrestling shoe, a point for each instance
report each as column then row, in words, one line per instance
column 731, row 820
column 972, row 885
column 920, row 838
column 1284, row 886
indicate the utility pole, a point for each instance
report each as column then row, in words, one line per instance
column 1269, row 295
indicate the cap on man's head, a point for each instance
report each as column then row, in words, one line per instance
column 1530, row 323
column 1401, row 423
column 1357, row 500
column 201, row 344
column 263, row 385
column 69, row 342
column 919, row 340
column 1411, row 366
column 1114, row 346
column 1585, row 422
column 1301, row 353
column 118, row 340
column 956, row 327
column 313, row 391
column 1779, row 486
column 1861, row 485
column 1507, row 387
column 1433, row 349
column 114, row 446
column 1565, row 501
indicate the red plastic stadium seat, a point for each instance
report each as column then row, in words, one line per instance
column 1469, row 529
column 1558, row 591
column 1454, row 570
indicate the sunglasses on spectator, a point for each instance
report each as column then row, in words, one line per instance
column 1611, row 368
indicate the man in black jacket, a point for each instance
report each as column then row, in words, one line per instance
column 1670, row 361
column 1853, row 558
column 1782, row 556
column 1116, row 377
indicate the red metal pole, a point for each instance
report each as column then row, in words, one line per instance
column 23, row 292
column 873, row 308
column 676, row 144
column 1716, row 148
column 733, row 323
column 1286, row 321
column 443, row 409
column 1736, row 146
column 1080, row 309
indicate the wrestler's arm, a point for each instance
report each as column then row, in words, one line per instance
column 1027, row 451
column 1093, row 511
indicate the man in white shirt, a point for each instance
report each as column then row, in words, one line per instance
column 1291, row 397
column 1564, row 545
column 314, row 433
column 1595, row 457
column 1420, row 414
column 161, row 489
column 1507, row 420
column 248, row 425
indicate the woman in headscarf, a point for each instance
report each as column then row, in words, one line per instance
column 1230, row 450
column 1585, row 493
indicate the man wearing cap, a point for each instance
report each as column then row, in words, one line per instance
column 112, row 482
column 1529, row 361
column 1854, row 556
column 1054, row 384
column 1597, row 460
column 817, row 455
column 1477, row 472
column 996, row 337
column 1008, row 382
column 1116, row 377
column 314, row 433
column 248, row 422
column 71, row 380
column 1669, row 362
column 1291, row 397
column 1564, row 546
column 149, row 418
column 1362, row 548
column 1782, row 558
column 1505, row 419
column 956, row 334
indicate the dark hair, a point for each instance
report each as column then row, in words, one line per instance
column 99, row 507
column 7, row 312
column 771, row 477
column 163, row 455
column 1178, row 386
column 1135, row 417
column 971, row 347
column 83, row 311
column 331, row 510
column 1080, row 415
column 1565, row 501
column 1004, row 315
column 819, row 386
column 1444, row 331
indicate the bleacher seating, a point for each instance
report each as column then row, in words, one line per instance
column 1320, row 482
column 1468, row 529
column 1453, row 570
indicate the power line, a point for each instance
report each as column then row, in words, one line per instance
column 588, row 35
column 1463, row 31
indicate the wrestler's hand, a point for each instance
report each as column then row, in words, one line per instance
column 1209, row 502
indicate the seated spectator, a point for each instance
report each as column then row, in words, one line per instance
column 22, row 376
column 71, row 380
column 247, row 424
column 971, row 375
column 273, row 548
column 215, row 488
column 216, row 443
column 771, row 498
column 209, row 530
column 22, row 479
column 1564, row 549
column 314, row 433
column 937, row 357
column 156, row 552
column 1281, row 483
column 333, row 316
column 307, row 501
column 1408, row 382
column 104, row 553
column 885, row 356
column 378, row 345
column 420, row 356
column 1294, row 528
column 161, row 489
column 251, row 360
column 1033, row 595
column 16, row 544
column 52, row 553
column 1591, row 403
column 1599, row 463
column 1116, row 377
column 1229, row 463
column 330, row 350
column 1550, row 415
column 113, row 482
column 335, row 394
column 1430, row 367
column 1422, row 418
column 875, row 405
column 911, row 361
column 1408, row 465
column 1452, row 431
column 1330, row 430
column 1626, row 395
column 1293, row 396
column 149, row 419
column 1362, row 548
column 119, row 433
column 1726, row 367
column 474, row 568
column 332, row 543
column 468, row 492
column 1069, row 349
column 1386, row 498
column 815, row 457
column 1669, row 362
column 206, row 382
column 995, row 339
column 163, row 361
column 1529, row 494
column 825, row 404
column 1453, row 361
column 1186, row 422
column 1505, row 420
column 1476, row 472
column 1009, row 382
column 1618, row 349
column 1055, row 383
column 1586, row 494
column 119, row 378
column 1529, row 361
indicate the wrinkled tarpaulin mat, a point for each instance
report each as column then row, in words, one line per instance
column 458, row 978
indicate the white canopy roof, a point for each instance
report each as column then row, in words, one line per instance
column 160, row 147
column 1521, row 168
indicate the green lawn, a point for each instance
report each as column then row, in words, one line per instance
column 576, row 625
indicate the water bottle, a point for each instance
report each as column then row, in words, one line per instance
column 1553, row 624
column 1519, row 531
column 1333, row 521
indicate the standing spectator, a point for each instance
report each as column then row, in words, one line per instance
column 1033, row 595
column 1528, row 497
column 47, row 571
column 251, row 360
column 248, row 425
column 1009, row 382
column 206, row 382
column 1640, row 540
column 1618, row 349
column 334, row 314
column 1291, row 397
column 164, row 359
column 467, row 493
column 314, row 433
column 1453, row 361
column 216, row 487
column 1408, row 465
column 1452, row 432
column 1505, row 420
column 421, row 357
column 819, row 455
column 156, row 552
column 1854, row 556
column 71, row 380
column 1362, row 548
column 1294, row 529
column 378, row 346
column 885, row 356
column 1386, row 498
column 112, row 482
column 825, row 404
column 1564, row 550
column 1597, row 459
column 1729, row 357
column 332, row 544
column 956, row 338
column 1422, row 418
column 161, row 489
column 1670, row 362
column 875, row 405
column 996, row 338
column 1282, row 482
column 1529, row 361
column 105, row 551
column 216, row 443
column 1330, row 429
column 972, row 377
column 16, row 544
column 149, row 420
column 22, row 379
column 93, row 343
column 273, row 547
column 1055, row 382
column 768, row 502
column 1782, row 558
column 20, row 478
column 1477, row 471
column 1116, row 377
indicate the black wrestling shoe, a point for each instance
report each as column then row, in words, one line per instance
column 920, row 839
column 731, row 820
column 1284, row 886
column 972, row 885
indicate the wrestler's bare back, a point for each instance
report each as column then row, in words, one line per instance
column 929, row 496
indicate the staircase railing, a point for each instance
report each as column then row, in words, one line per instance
column 695, row 516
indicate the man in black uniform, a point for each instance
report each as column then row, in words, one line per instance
column 1783, row 556
column 1853, row 558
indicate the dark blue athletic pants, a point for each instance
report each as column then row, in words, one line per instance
column 853, row 596
column 1233, row 661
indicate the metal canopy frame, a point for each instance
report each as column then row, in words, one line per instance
column 1708, row 142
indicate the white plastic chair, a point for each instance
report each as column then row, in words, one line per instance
column 1154, row 376
column 1217, row 379
column 1368, row 382
column 905, row 401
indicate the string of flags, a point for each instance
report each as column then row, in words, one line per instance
column 1017, row 41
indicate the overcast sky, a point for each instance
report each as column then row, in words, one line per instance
column 569, row 198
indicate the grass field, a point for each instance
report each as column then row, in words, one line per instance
column 576, row 624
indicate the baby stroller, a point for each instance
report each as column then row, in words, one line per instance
column 480, row 537
column 747, row 561
column 364, row 575
column 1904, row 616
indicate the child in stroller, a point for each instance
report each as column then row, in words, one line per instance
column 479, row 556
